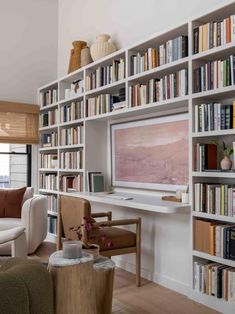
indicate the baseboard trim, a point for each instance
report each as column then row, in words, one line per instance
column 160, row 279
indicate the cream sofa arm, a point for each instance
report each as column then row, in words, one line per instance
column 34, row 219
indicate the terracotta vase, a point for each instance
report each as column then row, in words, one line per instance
column 75, row 55
column 85, row 56
column 226, row 163
column 102, row 47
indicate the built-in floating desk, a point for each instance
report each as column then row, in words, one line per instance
column 137, row 201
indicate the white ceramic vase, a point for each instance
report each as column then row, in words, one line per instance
column 101, row 47
column 226, row 163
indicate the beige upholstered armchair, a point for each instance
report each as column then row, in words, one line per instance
column 33, row 219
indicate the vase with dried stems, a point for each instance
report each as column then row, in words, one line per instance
column 75, row 55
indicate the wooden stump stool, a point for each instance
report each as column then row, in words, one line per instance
column 74, row 288
column 104, row 275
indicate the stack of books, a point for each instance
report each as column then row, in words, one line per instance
column 214, row 34
column 52, row 203
column 76, row 88
column 71, row 136
column 71, row 183
column 205, row 157
column 71, row 160
column 214, row 116
column 215, row 280
column 48, row 181
column 72, row 111
column 218, row 199
column 48, row 98
column 95, row 181
column 155, row 90
column 47, row 160
column 214, row 238
column 106, row 75
column 170, row 51
column 214, row 74
column 49, row 139
column 49, row 118
column 101, row 104
column 52, row 224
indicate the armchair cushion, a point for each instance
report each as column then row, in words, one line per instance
column 120, row 238
column 11, row 202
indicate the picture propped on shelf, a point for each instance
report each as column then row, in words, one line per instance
column 151, row 153
column 95, row 181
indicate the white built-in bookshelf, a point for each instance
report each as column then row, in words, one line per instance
column 94, row 115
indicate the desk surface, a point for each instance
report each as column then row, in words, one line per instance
column 137, row 201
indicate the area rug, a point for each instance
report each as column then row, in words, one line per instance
column 120, row 308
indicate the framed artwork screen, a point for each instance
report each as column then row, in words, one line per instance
column 151, row 153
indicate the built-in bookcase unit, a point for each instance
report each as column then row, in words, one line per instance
column 187, row 68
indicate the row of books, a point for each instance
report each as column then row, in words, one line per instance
column 48, row 181
column 49, row 161
column 71, row 160
column 168, row 87
column 71, row 136
column 214, row 74
column 101, row 104
column 218, row 199
column 48, row 97
column 214, row 34
column 72, row 111
column 170, row 51
column 52, row 203
column 49, row 118
column 205, row 157
column 95, row 181
column 49, row 139
column 214, row 238
column 76, row 88
column 214, row 116
column 214, row 279
column 106, row 75
column 52, row 225
column 71, row 183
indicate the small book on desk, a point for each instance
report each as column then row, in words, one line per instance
column 95, row 181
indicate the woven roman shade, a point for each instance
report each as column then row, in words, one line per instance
column 19, row 123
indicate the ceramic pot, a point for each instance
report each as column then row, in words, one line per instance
column 85, row 56
column 75, row 55
column 102, row 47
column 226, row 163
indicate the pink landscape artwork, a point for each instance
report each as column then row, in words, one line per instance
column 151, row 153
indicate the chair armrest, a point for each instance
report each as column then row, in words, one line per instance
column 34, row 219
column 120, row 222
column 103, row 214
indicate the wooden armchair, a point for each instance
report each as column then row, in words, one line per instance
column 72, row 211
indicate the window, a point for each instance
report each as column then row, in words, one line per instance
column 15, row 165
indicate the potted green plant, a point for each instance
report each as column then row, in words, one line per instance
column 226, row 151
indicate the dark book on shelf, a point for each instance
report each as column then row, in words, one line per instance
column 196, row 39
column 210, row 156
column 232, row 244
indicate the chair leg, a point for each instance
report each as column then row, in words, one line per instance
column 19, row 246
column 138, row 253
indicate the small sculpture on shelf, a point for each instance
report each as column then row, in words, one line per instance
column 102, row 47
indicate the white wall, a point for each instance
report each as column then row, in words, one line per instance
column 28, row 47
column 127, row 21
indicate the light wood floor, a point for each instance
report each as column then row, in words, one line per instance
column 150, row 298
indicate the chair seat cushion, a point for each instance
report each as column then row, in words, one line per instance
column 9, row 223
column 120, row 238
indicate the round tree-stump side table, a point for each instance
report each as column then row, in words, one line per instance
column 73, row 280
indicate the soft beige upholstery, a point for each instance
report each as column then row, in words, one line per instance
column 16, row 238
column 33, row 219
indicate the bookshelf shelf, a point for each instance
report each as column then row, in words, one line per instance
column 214, row 53
column 71, row 123
column 106, row 88
column 214, row 133
column 163, row 69
column 71, row 170
column 216, row 259
column 68, row 147
column 68, row 100
column 52, row 213
column 215, row 174
column 48, row 191
column 215, row 93
column 47, row 149
column 48, row 170
column 50, row 127
column 213, row 217
column 49, row 107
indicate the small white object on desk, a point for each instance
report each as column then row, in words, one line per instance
column 72, row 249
column 185, row 198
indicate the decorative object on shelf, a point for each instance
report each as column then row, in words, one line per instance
column 85, row 56
column 102, row 47
column 54, row 162
column 226, row 151
column 75, row 55
column 72, row 249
